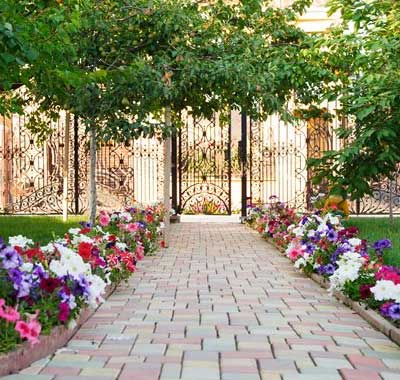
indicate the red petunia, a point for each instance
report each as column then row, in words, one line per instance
column 34, row 252
column 85, row 250
column 50, row 284
column 365, row 291
column 19, row 249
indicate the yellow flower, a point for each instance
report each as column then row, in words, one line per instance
column 337, row 202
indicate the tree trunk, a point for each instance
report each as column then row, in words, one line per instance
column 92, row 174
column 66, row 167
column 390, row 201
column 167, row 180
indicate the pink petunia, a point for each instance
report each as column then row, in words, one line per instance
column 8, row 313
column 104, row 219
column 139, row 252
column 29, row 331
column 295, row 253
column 132, row 227
column 64, row 312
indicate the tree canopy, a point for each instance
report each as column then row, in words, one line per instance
column 364, row 55
column 131, row 59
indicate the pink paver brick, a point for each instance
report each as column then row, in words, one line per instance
column 360, row 361
column 359, row 374
column 60, row 371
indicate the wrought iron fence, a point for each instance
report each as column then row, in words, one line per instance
column 207, row 165
column 32, row 173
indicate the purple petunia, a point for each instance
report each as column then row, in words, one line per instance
column 327, row 269
column 81, row 286
column 304, row 221
column 334, row 257
column 380, row 245
column 394, row 311
column 86, row 224
column 384, row 309
column 10, row 258
column 332, row 236
column 15, row 276
column 141, row 224
column 310, row 248
column 25, row 285
column 39, row 271
column 316, row 238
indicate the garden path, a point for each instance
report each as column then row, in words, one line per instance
column 221, row 304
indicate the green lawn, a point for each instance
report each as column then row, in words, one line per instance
column 379, row 228
column 38, row 228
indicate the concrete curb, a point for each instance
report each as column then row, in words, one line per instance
column 370, row 315
column 24, row 355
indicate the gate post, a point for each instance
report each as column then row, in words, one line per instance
column 174, row 172
column 76, row 165
column 243, row 163
column 7, row 163
column 167, row 174
column 66, row 166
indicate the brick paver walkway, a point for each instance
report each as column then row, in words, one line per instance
column 221, row 304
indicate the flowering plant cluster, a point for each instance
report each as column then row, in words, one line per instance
column 272, row 220
column 45, row 286
column 320, row 242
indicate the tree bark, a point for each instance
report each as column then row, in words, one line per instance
column 92, row 174
column 167, row 180
column 66, row 166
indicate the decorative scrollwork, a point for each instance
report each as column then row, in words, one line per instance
column 278, row 154
column 204, row 166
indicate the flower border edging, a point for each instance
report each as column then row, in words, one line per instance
column 371, row 316
column 24, row 355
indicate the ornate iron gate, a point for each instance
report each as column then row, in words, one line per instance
column 204, row 166
column 277, row 162
column 131, row 172
column 31, row 180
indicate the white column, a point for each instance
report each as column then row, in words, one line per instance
column 66, row 166
column 167, row 174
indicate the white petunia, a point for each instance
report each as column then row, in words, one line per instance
column 322, row 228
column 385, row 290
column 300, row 263
column 96, row 290
column 99, row 229
column 49, row 248
column 311, row 233
column 70, row 263
column 126, row 216
column 332, row 219
column 298, row 231
column 20, row 241
column 26, row 267
column 121, row 246
column 352, row 256
column 81, row 239
column 355, row 242
column 74, row 231
column 347, row 271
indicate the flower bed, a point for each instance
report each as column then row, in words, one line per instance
column 320, row 243
column 42, row 287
